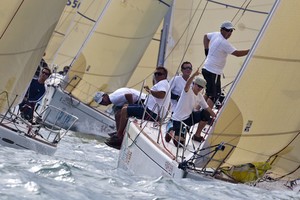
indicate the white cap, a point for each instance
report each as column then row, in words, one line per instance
column 227, row 25
column 98, row 96
column 200, row 81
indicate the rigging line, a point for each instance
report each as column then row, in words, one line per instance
column 90, row 33
column 275, row 154
column 59, row 33
column 193, row 35
column 241, row 10
column 86, row 17
column 188, row 25
column 237, row 7
column 11, row 19
column 287, row 173
column 163, row 2
column 66, row 34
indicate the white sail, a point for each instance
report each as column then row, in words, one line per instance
column 260, row 119
column 191, row 19
column 74, row 28
column 26, row 27
column 259, row 122
column 112, row 50
column 65, row 26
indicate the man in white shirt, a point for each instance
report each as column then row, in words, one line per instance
column 190, row 100
column 217, row 47
column 177, row 83
column 119, row 98
column 156, row 104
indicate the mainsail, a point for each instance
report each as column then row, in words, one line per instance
column 190, row 20
column 115, row 46
column 260, row 118
column 26, row 27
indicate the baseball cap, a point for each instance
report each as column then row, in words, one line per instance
column 98, row 96
column 227, row 25
column 200, row 81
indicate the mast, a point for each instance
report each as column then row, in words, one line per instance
column 164, row 37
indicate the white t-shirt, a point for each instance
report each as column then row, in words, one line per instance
column 155, row 104
column 177, row 84
column 118, row 96
column 219, row 48
column 187, row 103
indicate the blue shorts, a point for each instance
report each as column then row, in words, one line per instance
column 136, row 110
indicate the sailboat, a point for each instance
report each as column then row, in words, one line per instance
column 116, row 35
column 255, row 137
column 26, row 27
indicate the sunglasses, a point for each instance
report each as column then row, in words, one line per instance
column 199, row 86
column 158, row 74
column 46, row 73
column 189, row 68
column 227, row 30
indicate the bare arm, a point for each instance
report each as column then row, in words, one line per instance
column 211, row 112
column 156, row 94
column 129, row 98
column 205, row 42
column 240, row 53
column 190, row 80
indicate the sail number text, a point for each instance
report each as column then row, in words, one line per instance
column 73, row 3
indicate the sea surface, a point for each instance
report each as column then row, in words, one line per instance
column 85, row 168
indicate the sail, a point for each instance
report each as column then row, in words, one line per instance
column 26, row 27
column 143, row 73
column 119, row 42
column 72, row 30
column 260, row 118
column 110, row 52
column 65, row 25
column 190, row 20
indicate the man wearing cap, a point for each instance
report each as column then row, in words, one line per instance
column 118, row 98
column 156, row 106
column 217, row 48
column 190, row 99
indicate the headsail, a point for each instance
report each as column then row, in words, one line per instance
column 26, row 27
column 261, row 117
column 116, row 45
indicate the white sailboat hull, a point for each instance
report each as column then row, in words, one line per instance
column 141, row 154
column 13, row 139
column 90, row 120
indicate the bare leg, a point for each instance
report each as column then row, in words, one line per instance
column 118, row 118
column 201, row 125
column 123, row 121
column 210, row 102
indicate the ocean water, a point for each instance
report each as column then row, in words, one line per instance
column 85, row 168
